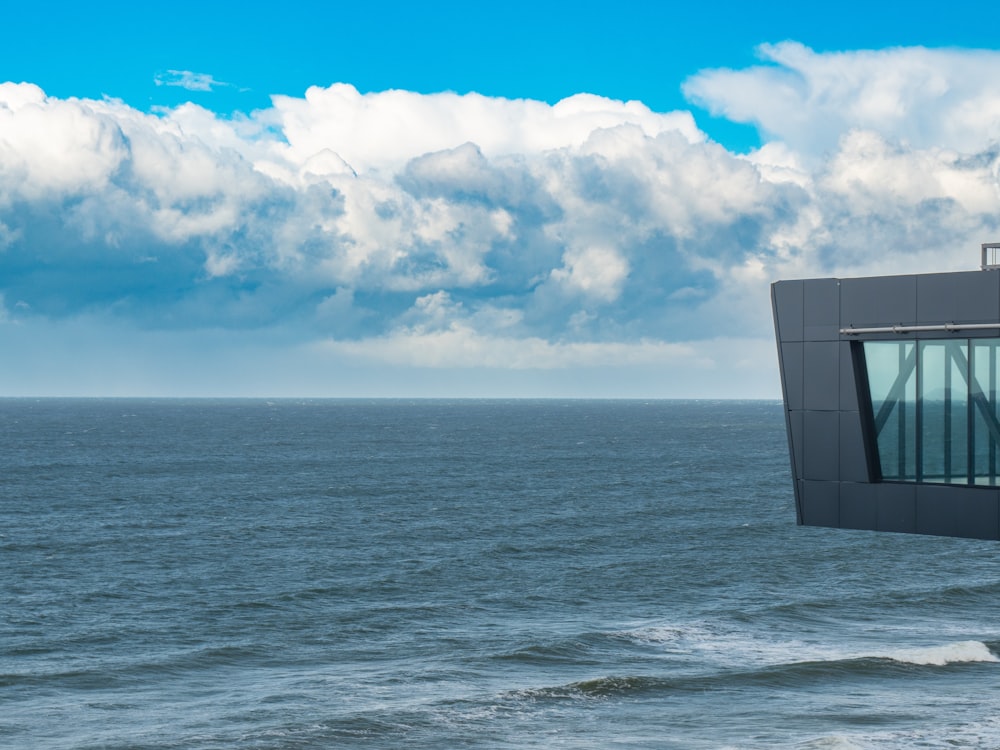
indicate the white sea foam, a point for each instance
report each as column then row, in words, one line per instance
column 719, row 645
column 950, row 653
column 984, row 733
column 656, row 634
column 716, row 644
column 833, row 742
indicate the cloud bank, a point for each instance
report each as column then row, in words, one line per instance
column 458, row 233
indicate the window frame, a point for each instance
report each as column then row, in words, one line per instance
column 970, row 458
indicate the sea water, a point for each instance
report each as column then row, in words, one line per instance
column 464, row 574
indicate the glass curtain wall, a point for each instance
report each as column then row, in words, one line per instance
column 892, row 382
column 935, row 409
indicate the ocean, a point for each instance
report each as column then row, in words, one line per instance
column 464, row 574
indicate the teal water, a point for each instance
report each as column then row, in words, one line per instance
column 464, row 574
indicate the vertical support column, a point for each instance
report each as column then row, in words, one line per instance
column 918, row 417
column 970, row 416
column 901, row 419
column 993, row 408
column 948, row 361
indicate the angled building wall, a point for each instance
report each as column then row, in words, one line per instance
column 836, row 425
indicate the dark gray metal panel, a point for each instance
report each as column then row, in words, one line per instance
column 853, row 462
column 797, row 443
column 848, row 388
column 897, row 507
column 787, row 300
column 935, row 511
column 797, row 486
column 981, row 520
column 858, row 506
column 879, row 301
column 958, row 297
column 958, row 511
column 821, row 376
column 821, row 310
column 820, row 504
column 792, row 373
column 821, row 438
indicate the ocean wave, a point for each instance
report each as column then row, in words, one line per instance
column 979, row 734
column 722, row 647
column 579, row 649
column 605, row 686
column 961, row 652
column 810, row 670
column 658, row 634
column 718, row 646
column 599, row 687
column 833, row 742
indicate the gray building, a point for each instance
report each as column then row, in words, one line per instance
column 891, row 387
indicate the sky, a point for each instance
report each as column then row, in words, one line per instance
column 536, row 200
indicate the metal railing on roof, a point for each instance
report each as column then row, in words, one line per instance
column 991, row 256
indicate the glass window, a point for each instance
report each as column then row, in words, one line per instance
column 943, row 416
column 892, row 384
column 935, row 409
column 985, row 448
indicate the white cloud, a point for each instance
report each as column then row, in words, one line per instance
column 596, row 272
column 384, row 130
column 460, row 346
column 469, row 232
column 926, row 98
column 55, row 146
column 186, row 79
column 7, row 236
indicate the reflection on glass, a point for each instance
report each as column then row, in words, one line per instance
column 935, row 409
column 943, row 401
column 985, row 434
column 892, row 384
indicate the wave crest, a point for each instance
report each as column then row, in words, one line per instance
column 951, row 653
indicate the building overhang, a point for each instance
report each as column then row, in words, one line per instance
column 891, row 388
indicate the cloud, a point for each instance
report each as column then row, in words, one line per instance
column 118, row 189
column 460, row 346
column 598, row 272
column 455, row 232
column 926, row 98
column 385, row 130
column 51, row 146
column 186, row 79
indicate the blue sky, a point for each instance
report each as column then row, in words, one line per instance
column 627, row 50
column 539, row 200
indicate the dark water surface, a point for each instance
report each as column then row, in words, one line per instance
column 464, row 574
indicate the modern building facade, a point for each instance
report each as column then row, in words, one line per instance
column 891, row 388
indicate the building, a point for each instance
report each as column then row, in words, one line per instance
column 891, row 388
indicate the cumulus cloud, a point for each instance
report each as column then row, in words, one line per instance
column 464, row 231
column 597, row 272
column 384, row 130
column 926, row 98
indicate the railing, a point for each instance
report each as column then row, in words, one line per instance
column 991, row 256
